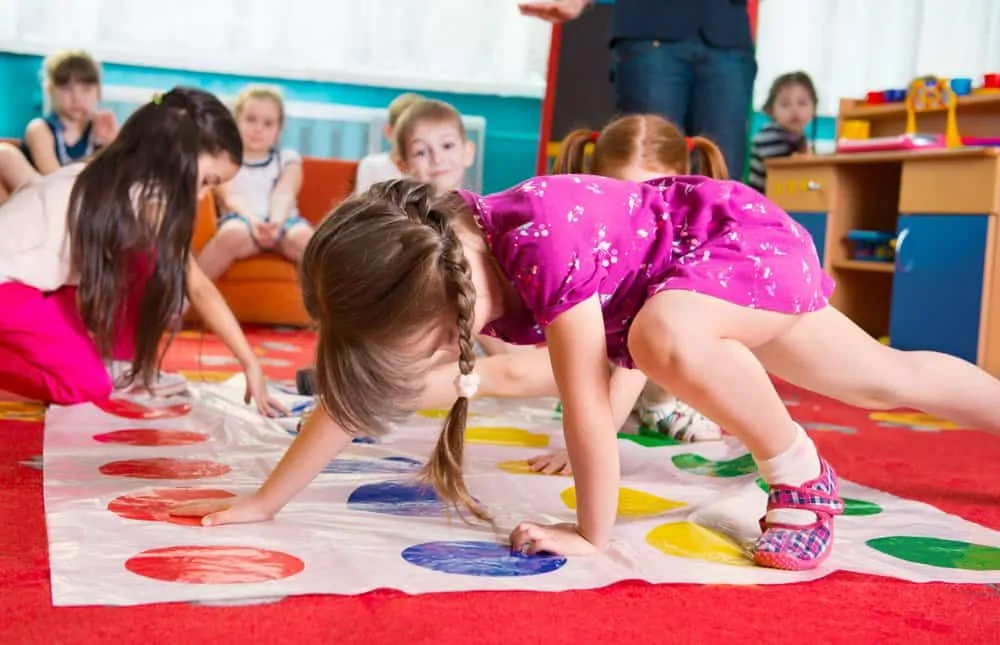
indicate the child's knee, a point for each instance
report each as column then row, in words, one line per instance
column 236, row 242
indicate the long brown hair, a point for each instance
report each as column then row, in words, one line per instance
column 645, row 139
column 151, row 164
column 385, row 268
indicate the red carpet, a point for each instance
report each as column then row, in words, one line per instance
column 953, row 470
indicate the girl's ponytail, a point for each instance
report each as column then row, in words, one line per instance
column 572, row 158
column 710, row 161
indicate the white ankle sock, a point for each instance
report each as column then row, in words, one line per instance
column 794, row 467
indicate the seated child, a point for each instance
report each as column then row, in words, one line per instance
column 383, row 166
column 75, row 128
column 259, row 204
column 432, row 145
column 791, row 104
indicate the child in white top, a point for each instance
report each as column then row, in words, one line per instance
column 383, row 166
column 259, row 205
column 95, row 259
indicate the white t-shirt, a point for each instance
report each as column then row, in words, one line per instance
column 255, row 180
column 373, row 169
column 34, row 232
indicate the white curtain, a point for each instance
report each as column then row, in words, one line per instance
column 474, row 46
column 850, row 47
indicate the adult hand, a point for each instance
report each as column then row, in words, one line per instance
column 555, row 11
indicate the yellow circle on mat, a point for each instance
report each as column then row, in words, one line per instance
column 689, row 540
column 433, row 414
column 631, row 503
column 206, row 376
column 521, row 467
column 914, row 420
column 506, row 437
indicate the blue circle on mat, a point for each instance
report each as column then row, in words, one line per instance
column 396, row 498
column 487, row 559
column 364, row 440
column 385, row 466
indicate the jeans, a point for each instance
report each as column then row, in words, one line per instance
column 703, row 90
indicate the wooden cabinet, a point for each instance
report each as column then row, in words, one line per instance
column 940, row 292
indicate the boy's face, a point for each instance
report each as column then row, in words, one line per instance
column 76, row 101
column 438, row 154
column 259, row 122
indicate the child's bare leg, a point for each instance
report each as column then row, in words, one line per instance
column 293, row 242
column 827, row 353
column 230, row 243
column 666, row 413
column 699, row 348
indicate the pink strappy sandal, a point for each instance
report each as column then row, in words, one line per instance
column 798, row 548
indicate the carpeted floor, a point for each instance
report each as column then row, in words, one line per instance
column 907, row 455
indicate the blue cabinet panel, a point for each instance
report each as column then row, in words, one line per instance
column 937, row 288
column 815, row 224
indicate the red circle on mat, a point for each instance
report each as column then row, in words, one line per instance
column 162, row 468
column 145, row 437
column 132, row 410
column 214, row 565
column 154, row 505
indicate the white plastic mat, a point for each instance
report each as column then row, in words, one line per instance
column 686, row 513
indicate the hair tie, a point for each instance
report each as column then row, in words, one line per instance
column 158, row 98
column 594, row 136
column 467, row 385
column 690, row 144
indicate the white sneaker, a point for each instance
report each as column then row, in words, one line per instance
column 165, row 384
column 678, row 420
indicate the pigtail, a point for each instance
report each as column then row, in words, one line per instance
column 711, row 163
column 572, row 157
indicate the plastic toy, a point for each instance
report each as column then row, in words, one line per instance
column 872, row 246
column 931, row 93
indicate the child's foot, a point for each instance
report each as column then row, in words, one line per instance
column 679, row 421
column 793, row 546
column 165, row 384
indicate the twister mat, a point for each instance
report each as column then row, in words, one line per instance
column 687, row 513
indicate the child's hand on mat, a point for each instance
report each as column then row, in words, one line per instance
column 215, row 512
column 257, row 392
column 556, row 463
column 560, row 539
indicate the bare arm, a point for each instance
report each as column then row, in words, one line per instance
column 40, row 142
column 319, row 440
column 579, row 362
column 207, row 300
column 285, row 193
column 232, row 202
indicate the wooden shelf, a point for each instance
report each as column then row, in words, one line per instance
column 863, row 265
column 862, row 110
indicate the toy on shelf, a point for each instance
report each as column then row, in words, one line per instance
column 892, row 144
column 872, row 246
column 931, row 93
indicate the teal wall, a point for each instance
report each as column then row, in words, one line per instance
column 512, row 124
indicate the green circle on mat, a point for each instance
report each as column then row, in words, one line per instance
column 648, row 440
column 936, row 552
column 855, row 507
column 743, row 465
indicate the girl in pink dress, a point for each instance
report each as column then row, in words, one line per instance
column 703, row 285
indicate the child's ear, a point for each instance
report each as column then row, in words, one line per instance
column 470, row 154
column 387, row 131
column 400, row 163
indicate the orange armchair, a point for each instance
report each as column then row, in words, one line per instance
column 265, row 289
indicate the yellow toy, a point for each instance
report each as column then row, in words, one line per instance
column 932, row 93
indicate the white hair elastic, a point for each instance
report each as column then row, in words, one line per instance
column 467, row 385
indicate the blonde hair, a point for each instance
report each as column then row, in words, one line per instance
column 424, row 111
column 260, row 92
column 65, row 67
column 400, row 105
column 645, row 139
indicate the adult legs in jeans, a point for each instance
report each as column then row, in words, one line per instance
column 721, row 94
column 654, row 77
